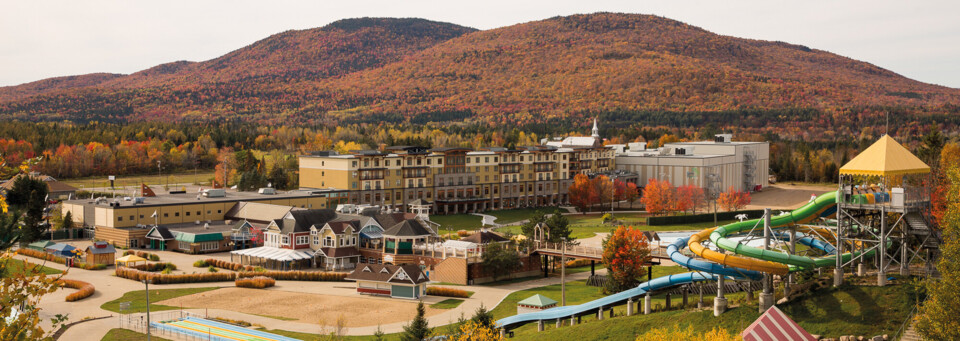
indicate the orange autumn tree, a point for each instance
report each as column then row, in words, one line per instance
column 689, row 197
column 625, row 252
column 583, row 193
column 624, row 191
column 733, row 199
column 658, row 196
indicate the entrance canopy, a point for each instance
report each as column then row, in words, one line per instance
column 885, row 157
column 129, row 260
column 274, row 253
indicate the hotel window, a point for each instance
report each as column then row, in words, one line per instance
column 353, row 164
column 119, row 218
column 316, row 240
column 285, row 240
column 141, row 216
column 188, row 213
column 302, row 240
column 428, row 161
column 166, row 215
column 398, row 163
column 198, row 212
column 440, row 161
column 209, row 246
column 327, row 241
column 176, row 214
column 184, row 245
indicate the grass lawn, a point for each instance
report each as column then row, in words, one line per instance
column 15, row 266
column 309, row 336
column 830, row 312
column 128, row 335
column 138, row 302
column 517, row 214
column 202, row 176
column 454, row 222
column 447, row 304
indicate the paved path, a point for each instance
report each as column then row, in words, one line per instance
column 488, row 220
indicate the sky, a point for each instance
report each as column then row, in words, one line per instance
column 49, row 38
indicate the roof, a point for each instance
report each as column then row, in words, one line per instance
column 101, row 248
column 390, row 219
column 388, row 273
column 199, row 237
column 484, row 237
column 885, row 157
column 258, row 211
column 339, row 252
column 304, row 219
column 53, row 185
column 160, row 232
column 408, row 228
column 339, row 226
column 41, row 244
column 61, row 247
column 274, row 253
column 130, row 259
column 538, row 301
column 775, row 325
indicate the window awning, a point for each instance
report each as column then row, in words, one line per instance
column 274, row 253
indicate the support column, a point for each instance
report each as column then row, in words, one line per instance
column 668, row 302
column 686, row 293
column 539, row 325
column 838, row 269
column 766, row 298
column 600, row 314
column 574, row 320
column 904, row 267
column 881, row 266
column 630, row 306
column 700, row 290
column 560, row 323
column 503, row 333
column 647, row 302
column 720, row 302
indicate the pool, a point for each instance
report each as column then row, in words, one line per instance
column 217, row 331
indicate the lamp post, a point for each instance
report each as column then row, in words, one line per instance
column 146, row 288
column 563, row 271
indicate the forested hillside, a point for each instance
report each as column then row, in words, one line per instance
column 542, row 72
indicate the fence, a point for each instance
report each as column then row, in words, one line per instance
column 137, row 322
column 701, row 218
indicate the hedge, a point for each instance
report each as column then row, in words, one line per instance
column 447, row 292
column 297, row 275
column 160, row 278
column 85, row 289
column 258, row 282
column 155, row 267
column 225, row 265
column 57, row 259
column 145, row 255
column 701, row 218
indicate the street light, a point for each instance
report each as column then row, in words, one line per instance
column 146, row 287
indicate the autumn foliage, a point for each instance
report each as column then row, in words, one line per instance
column 259, row 282
column 625, row 252
column 447, row 292
column 586, row 192
column 57, row 259
column 733, row 199
column 218, row 263
column 658, row 196
column 84, row 289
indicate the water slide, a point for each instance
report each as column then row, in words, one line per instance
column 728, row 265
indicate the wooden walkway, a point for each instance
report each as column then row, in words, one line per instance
column 586, row 252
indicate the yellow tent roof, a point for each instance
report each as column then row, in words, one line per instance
column 885, row 157
column 130, row 259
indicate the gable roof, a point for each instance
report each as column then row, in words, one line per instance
column 61, row 247
column 101, row 248
column 374, row 272
column 885, row 157
column 338, row 227
column 484, row 237
column 775, row 325
column 408, row 228
column 304, row 219
column 389, row 219
column 160, row 232
column 538, row 301
column 199, row 237
column 53, row 185
column 339, row 252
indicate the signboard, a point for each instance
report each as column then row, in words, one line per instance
column 388, row 258
column 112, row 177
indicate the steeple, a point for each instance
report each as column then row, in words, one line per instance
column 596, row 131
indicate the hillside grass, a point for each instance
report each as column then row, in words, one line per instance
column 138, row 300
column 831, row 312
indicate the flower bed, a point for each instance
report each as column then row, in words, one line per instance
column 297, row 275
column 155, row 278
column 57, row 259
column 258, row 282
column 448, row 292
column 84, row 289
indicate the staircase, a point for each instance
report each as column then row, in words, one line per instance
column 918, row 227
column 910, row 335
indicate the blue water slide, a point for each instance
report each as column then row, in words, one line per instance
column 608, row 301
column 811, row 242
column 673, row 250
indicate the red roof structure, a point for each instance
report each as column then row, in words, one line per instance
column 774, row 325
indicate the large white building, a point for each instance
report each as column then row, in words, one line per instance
column 714, row 165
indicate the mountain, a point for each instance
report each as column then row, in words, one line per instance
column 412, row 69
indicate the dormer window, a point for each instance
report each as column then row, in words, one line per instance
column 384, row 270
column 367, row 269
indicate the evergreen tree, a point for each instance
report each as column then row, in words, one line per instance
column 278, row 177
column 67, row 222
column 559, row 227
column 483, row 317
column 499, row 260
column 418, row 329
column 252, row 180
column 527, row 228
column 29, row 195
column 379, row 335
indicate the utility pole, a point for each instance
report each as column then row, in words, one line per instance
column 146, row 287
column 159, row 174
column 563, row 271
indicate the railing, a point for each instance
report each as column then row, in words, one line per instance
column 590, row 252
column 906, row 322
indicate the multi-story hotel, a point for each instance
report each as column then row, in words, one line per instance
column 458, row 180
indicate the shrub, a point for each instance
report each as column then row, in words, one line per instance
column 227, row 265
column 463, row 233
column 142, row 254
column 154, row 257
column 57, row 259
column 448, row 292
column 154, row 267
column 576, row 263
column 297, row 275
column 160, row 278
column 166, row 271
column 212, row 269
column 84, row 289
column 258, row 282
column 200, row 264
